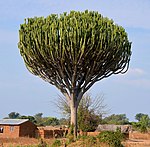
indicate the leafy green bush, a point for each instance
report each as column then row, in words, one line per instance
column 56, row 143
column 70, row 138
column 113, row 139
column 92, row 140
column 143, row 124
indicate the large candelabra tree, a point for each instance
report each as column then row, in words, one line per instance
column 73, row 51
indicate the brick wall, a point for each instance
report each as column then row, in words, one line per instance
column 53, row 133
column 138, row 135
column 10, row 131
column 27, row 129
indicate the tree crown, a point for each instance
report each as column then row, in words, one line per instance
column 73, row 51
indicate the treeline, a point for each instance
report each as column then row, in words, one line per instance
column 87, row 122
column 91, row 113
column 37, row 119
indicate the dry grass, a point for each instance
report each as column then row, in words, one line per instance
column 12, row 142
column 27, row 142
column 32, row 142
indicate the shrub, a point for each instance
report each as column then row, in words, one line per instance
column 56, row 143
column 113, row 139
column 92, row 140
column 42, row 143
column 70, row 138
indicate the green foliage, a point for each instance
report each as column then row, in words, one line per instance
column 13, row 115
column 92, row 140
column 113, row 139
column 87, row 119
column 143, row 124
column 42, row 143
column 47, row 121
column 88, row 141
column 119, row 119
column 56, row 143
column 79, row 44
column 73, row 51
column 39, row 119
column 70, row 135
column 90, row 111
column 64, row 121
column 138, row 116
column 70, row 138
column 31, row 118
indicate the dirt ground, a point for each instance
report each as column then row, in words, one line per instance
column 7, row 142
column 135, row 140
column 13, row 142
column 137, row 143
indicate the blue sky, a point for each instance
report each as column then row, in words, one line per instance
column 22, row 92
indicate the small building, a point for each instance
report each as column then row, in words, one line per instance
column 51, row 132
column 111, row 127
column 13, row 128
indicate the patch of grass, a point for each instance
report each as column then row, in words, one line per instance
column 56, row 143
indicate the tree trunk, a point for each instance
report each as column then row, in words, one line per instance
column 73, row 107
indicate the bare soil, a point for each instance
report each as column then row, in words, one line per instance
column 135, row 140
column 137, row 143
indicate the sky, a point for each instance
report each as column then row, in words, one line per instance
column 22, row 92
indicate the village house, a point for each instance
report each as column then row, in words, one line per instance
column 13, row 128
column 51, row 132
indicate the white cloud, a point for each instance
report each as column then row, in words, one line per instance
column 132, row 73
column 136, row 77
column 136, row 72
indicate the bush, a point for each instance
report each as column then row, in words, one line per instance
column 113, row 139
column 56, row 143
column 42, row 143
column 70, row 138
column 92, row 140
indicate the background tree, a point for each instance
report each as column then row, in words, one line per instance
column 64, row 121
column 73, row 51
column 30, row 118
column 50, row 121
column 13, row 115
column 90, row 111
column 87, row 119
column 116, row 119
column 143, row 123
column 39, row 119
column 138, row 116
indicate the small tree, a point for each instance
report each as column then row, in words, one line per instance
column 117, row 119
column 13, row 115
column 47, row 121
column 31, row 118
column 87, row 119
column 138, row 116
column 39, row 119
column 90, row 111
column 74, row 51
column 143, row 122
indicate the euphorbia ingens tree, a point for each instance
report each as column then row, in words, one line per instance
column 73, row 51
